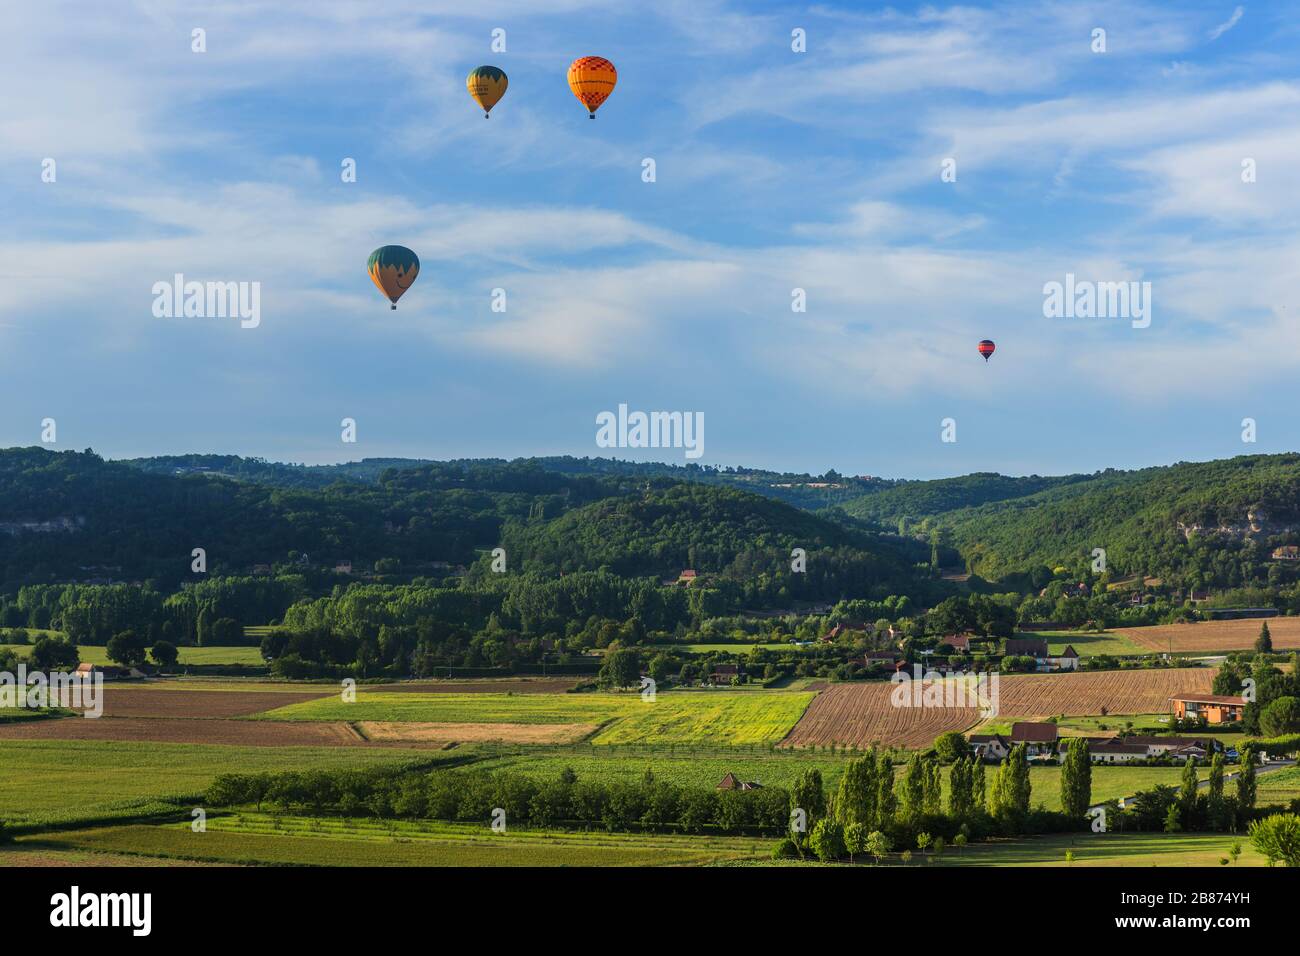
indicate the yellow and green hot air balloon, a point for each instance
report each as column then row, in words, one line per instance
column 592, row 79
column 393, row 269
column 487, row 84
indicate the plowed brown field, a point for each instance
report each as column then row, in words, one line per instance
column 860, row 715
column 239, row 733
column 147, row 702
column 1215, row 635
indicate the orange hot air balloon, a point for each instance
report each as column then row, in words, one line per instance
column 986, row 348
column 392, row 269
column 487, row 84
column 592, row 79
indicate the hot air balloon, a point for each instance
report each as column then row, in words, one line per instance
column 393, row 269
column 487, row 84
column 986, row 348
column 592, row 79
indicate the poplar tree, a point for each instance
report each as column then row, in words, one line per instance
column 886, row 800
column 914, row 788
column 1187, row 793
column 1076, row 779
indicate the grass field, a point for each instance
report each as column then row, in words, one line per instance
column 62, row 781
column 684, row 717
column 1115, row 643
column 707, row 767
column 1281, row 786
column 1103, row 849
column 734, row 648
column 95, row 654
column 262, row 838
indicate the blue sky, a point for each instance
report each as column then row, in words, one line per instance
column 775, row 170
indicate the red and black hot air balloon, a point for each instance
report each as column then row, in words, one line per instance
column 986, row 348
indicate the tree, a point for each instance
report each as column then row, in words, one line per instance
column 54, row 653
column 959, row 790
column 809, row 796
column 855, row 840
column 1076, row 779
column 913, row 803
column 1277, row 837
column 951, row 746
column 1215, row 805
column 127, row 648
column 164, row 654
column 878, row 845
column 924, row 841
column 978, row 787
column 827, row 840
column 1280, row 716
column 1187, row 794
column 1246, row 783
column 886, row 801
column 1009, row 801
column 621, row 668
column 1173, row 819
column 1264, row 643
column 855, row 801
column 933, row 800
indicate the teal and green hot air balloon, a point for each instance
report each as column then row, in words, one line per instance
column 393, row 269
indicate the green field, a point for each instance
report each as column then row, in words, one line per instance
column 1088, row 645
column 97, row 654
column 683, row 717
column 264, row 838
column 706, row 768
column 1279, row 786
column 733, row 648
column 1101, row 849
column 63, row 781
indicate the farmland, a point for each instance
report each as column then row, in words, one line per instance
column 98, row 654
column 1087, row 644
column 52, row 781
column 862, row 714
column 718, row 717
column 1211, row 636
column 262, row 838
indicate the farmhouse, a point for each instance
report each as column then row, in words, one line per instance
column 958, row 642
column 1156, row 746
column 1215, row 708
column 990, row 746
column 1067, row 660
column 732, row 782
column 107, row 671
column 1039, row 739
column 1111, row 752
column 887, row 658
column 724, row 673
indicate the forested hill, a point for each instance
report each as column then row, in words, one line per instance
column 69, row 516
column 803, row 490
column 1207, row 523
column 910, row 502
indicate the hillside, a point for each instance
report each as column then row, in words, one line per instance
column 913, row 501
column 729, row 534
column 1201, row 523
